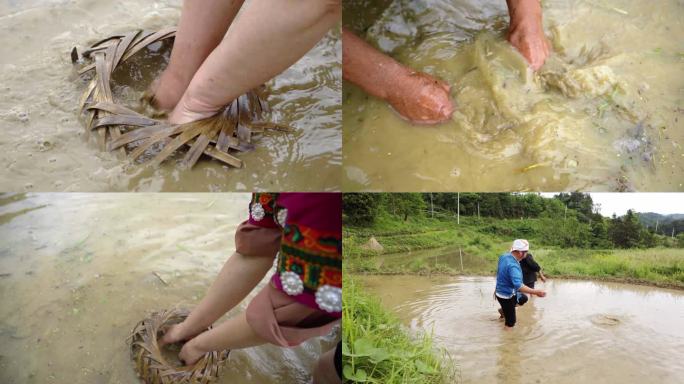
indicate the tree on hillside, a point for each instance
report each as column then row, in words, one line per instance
column 599, row 233
column 554, row 208
column 625, row 231
column 580, row 202
column 360, row 208
column 404, row 204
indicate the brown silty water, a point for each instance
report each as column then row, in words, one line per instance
column 78, row 271
column 603, row 114
column 44, row 146
column 581, row 332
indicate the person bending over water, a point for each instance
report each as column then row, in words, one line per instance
column 530, row 269
column 209, row 68
column 303, row 299
column 419, row 97
column 509, row 281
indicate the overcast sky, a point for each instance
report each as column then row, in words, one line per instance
column 619, row 203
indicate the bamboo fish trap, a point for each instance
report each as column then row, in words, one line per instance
column 122, row 129
column 151, row 365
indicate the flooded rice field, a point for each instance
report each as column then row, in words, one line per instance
column 580, row 332
column 44, row 146
column 78, row 271
column 603, row 114
column 452, row 257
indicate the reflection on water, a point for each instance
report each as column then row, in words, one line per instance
column 602, row 114
column 580, row 332
column 44, row 148
column 453, row 257
column 77, row 274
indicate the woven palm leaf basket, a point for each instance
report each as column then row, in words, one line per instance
column 154, row 368
column 120, row 128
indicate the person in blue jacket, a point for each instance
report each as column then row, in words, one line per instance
column 509, row 281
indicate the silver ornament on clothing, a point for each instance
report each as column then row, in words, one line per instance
column 257, row 212
column 329, row 298
column 292, row 284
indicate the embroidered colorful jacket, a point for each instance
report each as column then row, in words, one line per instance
column 309, row 262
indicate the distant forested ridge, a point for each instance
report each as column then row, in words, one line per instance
column 566, row 219
column 663, row 224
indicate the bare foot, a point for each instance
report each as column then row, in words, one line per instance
column 421, row 99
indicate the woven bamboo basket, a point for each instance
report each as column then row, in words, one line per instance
column 154, row 368
column 120, row 128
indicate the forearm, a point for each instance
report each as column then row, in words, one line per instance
column 525, row 289
column 238, row 277
column 267, row 38
column 234, row 333
column 202, row 26
column 520, row 10
column 367, row 67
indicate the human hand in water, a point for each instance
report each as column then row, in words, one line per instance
column 526, row 31
column 173, row 334
column 540, row 293
column 416, row 96
column 421, row 99
column 191, row 352
column 167, row 90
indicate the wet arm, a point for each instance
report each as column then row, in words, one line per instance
column 267, row 38
column 541, row 276
column 202, row 26
column 416, row 96
column 526, row 31
column 367, row 67
column 525, row 289
column 516, row 277
column 239, row 275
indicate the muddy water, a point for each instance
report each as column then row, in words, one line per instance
column 43, row 146
column 77, row 272
column 604, row 113
column 581, row 332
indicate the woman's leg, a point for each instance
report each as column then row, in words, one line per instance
column 203, row 24
column 267, row 38
column 239, row 275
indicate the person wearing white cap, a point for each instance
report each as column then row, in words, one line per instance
column 509, row 281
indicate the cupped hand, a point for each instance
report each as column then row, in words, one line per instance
column 421, row 99
column 540, row 293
